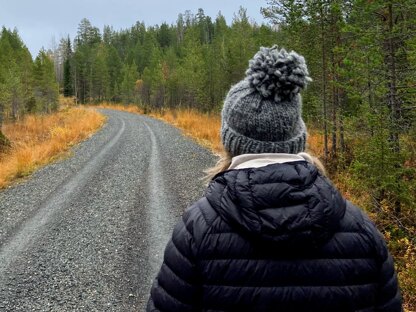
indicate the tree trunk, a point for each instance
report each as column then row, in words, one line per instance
column 15, row 105
column 342, row 133
column 393, row 103
column 371, row 102
column 334, row 143
column 334, row 146
column 324, row 85
column 75, row 86
column 4, row 142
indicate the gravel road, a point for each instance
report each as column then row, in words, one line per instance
column 88, row 233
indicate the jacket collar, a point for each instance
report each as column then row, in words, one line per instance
column 286, row 203
column 260, row 160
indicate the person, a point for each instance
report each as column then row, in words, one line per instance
column 272, row 233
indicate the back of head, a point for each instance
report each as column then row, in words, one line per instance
column 262, row 113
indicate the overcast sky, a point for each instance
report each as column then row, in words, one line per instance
column 39, row 21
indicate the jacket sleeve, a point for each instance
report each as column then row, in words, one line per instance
column 176, row 286
column 388, row 297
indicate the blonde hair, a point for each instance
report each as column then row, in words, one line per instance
column 222, row 165
column 225, row 161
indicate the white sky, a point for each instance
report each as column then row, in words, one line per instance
column 39, row 21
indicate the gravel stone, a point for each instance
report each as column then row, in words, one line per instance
column 87, row 233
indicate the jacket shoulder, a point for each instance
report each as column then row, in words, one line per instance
column 199, row 218
column 200, row 209
column 356, row 221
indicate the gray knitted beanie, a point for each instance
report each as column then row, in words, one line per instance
column 262, row 113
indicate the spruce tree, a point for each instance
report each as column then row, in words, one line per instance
column 68, row 80
column 46, row 87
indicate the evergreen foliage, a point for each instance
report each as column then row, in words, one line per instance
column 25, row 85
column 67, row 79
column 46, row 89
column 189, row 64
column 361, row 55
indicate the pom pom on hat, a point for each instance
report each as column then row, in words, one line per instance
column 277, row 73
column 262, row 112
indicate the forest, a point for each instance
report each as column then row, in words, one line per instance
column 26, row 85
column 361, row 55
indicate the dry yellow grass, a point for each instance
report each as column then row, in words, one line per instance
column 315, row 143
column 205, row 128
column 39, row 139
column 66, row 102
column 121, row 107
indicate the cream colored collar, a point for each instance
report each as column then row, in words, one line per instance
column 261, row 160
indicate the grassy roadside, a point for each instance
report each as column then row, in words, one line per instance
column 40, row 139
column 205, row 128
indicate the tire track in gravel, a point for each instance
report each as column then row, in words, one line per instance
column 159, row 206
column 88, row 233
column 27, row 233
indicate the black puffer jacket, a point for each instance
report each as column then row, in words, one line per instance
column 275, row 238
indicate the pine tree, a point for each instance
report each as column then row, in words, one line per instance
column 46, row 87
column 360, row 56
column 15, row 76
column 68, row 81
column 86, row 43
column 128, row 84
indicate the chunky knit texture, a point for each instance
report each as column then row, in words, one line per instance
column 262, row 113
